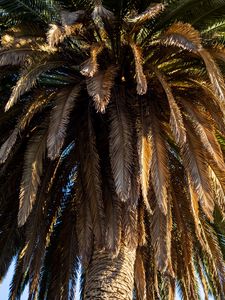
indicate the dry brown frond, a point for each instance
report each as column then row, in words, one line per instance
column 139, row 276
column 59, row 120
column 182, row 35
column 141, row 226
column 28, row 79
column 145, row 156
column 37, row 105
column 161, row 239
column 121, row 152
column 113, row 215
column 90, row 66
column 99, row 87
column 8, row 145
column 148, row 14
column 15, row 56
column 196, row 167
column 195, row 211
column 84, row 224
column 159, row 165
column 218, row 189
column 202, row 124
column 33, row 167
column 140, row 76
column 176, row 119
column 90, row 173
column 214, row 74
column 213, row 104
column 216, row 260
column 55, row 35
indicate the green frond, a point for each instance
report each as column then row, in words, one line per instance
column 43, row 10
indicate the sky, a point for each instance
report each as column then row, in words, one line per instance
column 4, row 287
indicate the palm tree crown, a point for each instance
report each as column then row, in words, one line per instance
column 112, row 134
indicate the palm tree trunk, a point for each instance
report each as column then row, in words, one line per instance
column 110, row 278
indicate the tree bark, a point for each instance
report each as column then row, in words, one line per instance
column 110, row 277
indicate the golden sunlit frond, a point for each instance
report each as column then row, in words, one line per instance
column 99, row 87
column 33, row 168
column 140, row 76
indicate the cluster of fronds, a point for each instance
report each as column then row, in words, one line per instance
column 114, row 131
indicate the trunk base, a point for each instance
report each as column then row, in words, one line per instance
column 110, row 278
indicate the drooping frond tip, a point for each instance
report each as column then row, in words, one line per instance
column 140, row 76
column 90, row 66
column 55, row 35
column 182, row 35
column 101, row 12
column 99, row 87
column 150, row 13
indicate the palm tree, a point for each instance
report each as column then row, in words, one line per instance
column 113, row 145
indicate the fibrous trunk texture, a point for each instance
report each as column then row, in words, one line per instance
column 110, row 277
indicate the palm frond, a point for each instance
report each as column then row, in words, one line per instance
column 214, row 73
column 139, row 276
column 8, row 145
column 150, row 13
column 14, row 56
column 99, row 87
column 43, row 10
column 140, row 76
column 91, row 177
column 145, row 154
column 113, row 215
column 59, row 120
column 90, row 66
column 205, row 131
column 55, row 35
column 196, row 167
column 161, row 239
column 159, row 164
column 37, row 105
column 33, row 167
column 213, row 105
column 218, row 189
column 216, row 258
column 176, row 119
column 28, row 79
column 18, row 277
column 182, row 35
column 101, row 12
column 120, row 141
column 84, row 225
